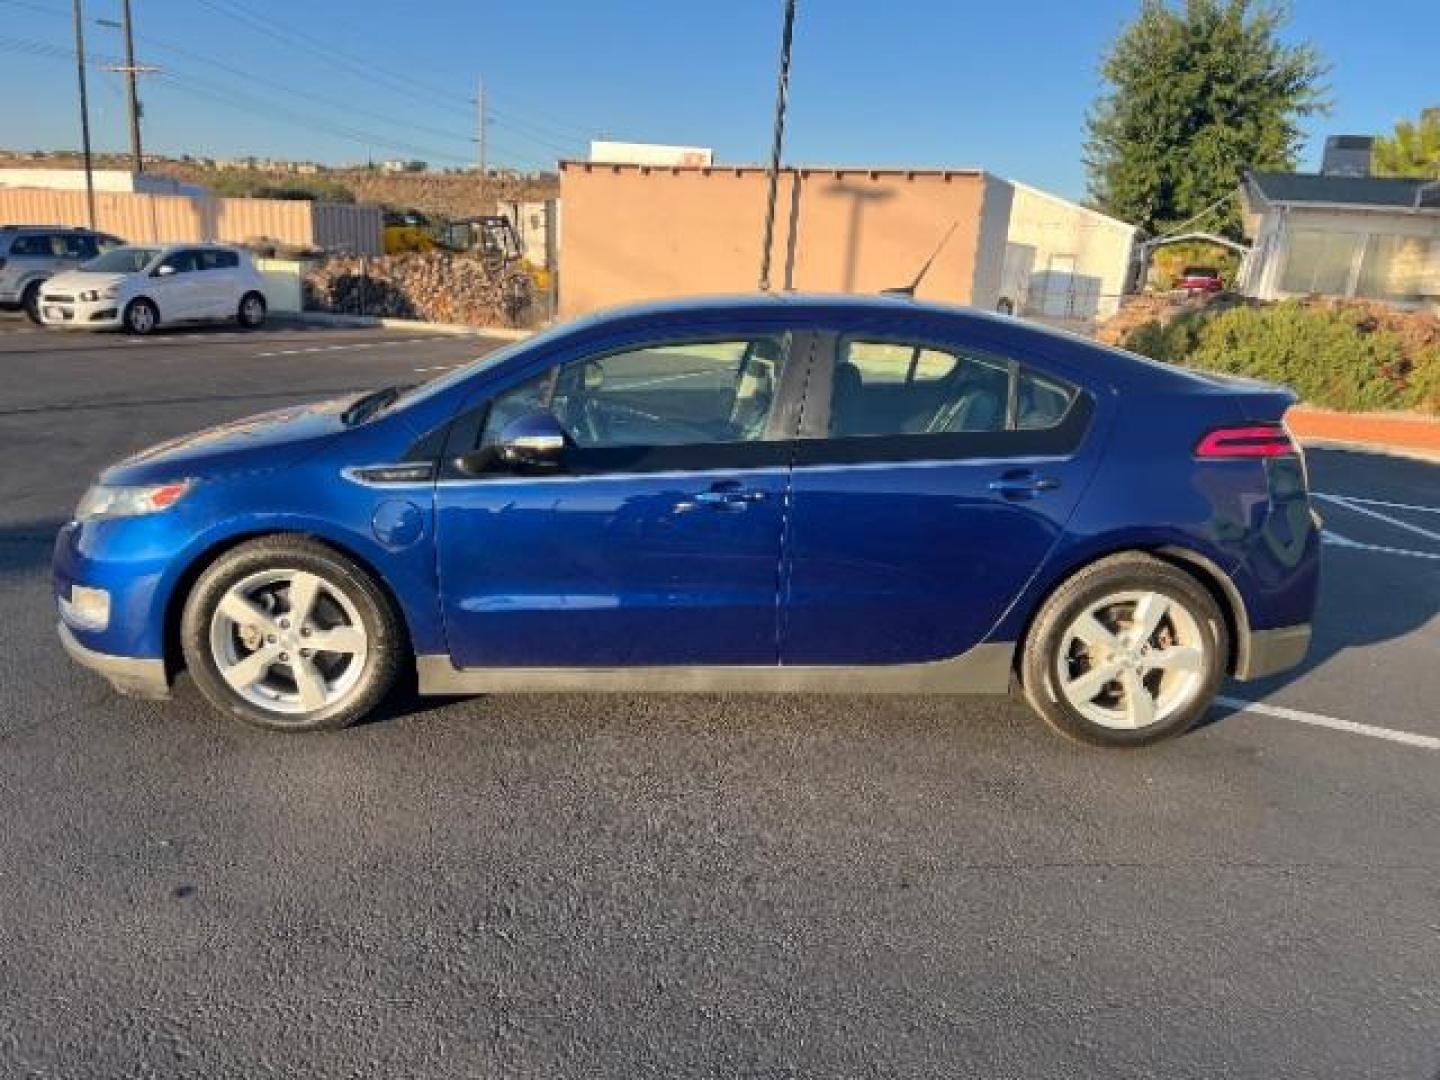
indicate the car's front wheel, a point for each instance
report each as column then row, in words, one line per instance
column 286, row 633
column 141, row 316
column 1129, row 651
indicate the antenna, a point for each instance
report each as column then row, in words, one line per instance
column 909, row 290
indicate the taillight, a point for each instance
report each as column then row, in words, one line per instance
column 1248, row 441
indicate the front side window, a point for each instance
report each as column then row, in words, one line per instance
column 664, row 395
column 182, row 262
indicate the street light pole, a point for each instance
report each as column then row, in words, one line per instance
column 84, row 111
column 782, row 95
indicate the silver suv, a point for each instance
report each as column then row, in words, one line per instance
column 29, row 254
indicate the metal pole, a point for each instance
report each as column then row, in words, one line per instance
column 131, row 74
column 84, row 111
column 480, row 139
column 782, row 95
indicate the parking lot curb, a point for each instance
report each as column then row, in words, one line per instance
column 324, row 318
column 1405, row 434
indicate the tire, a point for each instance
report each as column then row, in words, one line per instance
column 30, row 301
column 1179, row 665
column 141, row 316
column 347, row 608
column 250, row 313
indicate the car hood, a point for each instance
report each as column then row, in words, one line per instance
column 271, row 440
column 80, row 280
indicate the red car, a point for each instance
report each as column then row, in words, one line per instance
column 1198, row 279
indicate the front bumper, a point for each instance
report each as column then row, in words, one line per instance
column 79, row 314
column 130, row 675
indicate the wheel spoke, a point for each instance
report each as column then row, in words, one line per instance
column 1179, row 658
column 250, row 669
column 339, row 639
column 1149, row 610
column 1092, row 682
column 244, row 612
column 1139, row 705
column 308, row 681
column 304, row 588
column 1093, row 633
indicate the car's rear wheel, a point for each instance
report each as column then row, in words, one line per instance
column 251, row 313
column 141, row 316
column 1130, row 651
column 30, row 301
column 286, row 633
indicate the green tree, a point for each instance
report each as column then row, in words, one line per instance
column 1196, row 95
column 1414, row 149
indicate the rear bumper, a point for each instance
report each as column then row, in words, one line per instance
column 129, row 675
column 1269, row 652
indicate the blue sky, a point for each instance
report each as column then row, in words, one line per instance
column 912, row 82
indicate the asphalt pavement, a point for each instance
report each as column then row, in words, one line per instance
column 670, row 886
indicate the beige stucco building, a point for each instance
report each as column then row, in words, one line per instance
column 636, row 232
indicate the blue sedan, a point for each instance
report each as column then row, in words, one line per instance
column 792, row 494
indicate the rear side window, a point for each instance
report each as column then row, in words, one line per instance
column 35, row 244
column 890, row 388
column 218, row 260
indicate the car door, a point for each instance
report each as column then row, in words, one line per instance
column 657, row 539
column 219, row 274
column 931, row 479
column 176, row 287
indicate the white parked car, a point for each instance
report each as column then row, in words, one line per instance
column 140, row 288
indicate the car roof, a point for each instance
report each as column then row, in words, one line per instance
column 1109, row 364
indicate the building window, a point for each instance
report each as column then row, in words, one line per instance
column 1394, row 267
column 1320, row 262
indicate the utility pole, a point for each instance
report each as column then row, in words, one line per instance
column 480, row 124
column 782, row 95
column 84, row 111
column 137, row 158
column 131, row 70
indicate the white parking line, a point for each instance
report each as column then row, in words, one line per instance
column 347, row 347
column 1408, row 738
column 1380, row 502
column 1353, row 507
column 1345, row 542
column 438, row 367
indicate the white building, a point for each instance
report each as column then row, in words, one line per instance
column 628, row 153
column 1344, row 236
column 1064, row 262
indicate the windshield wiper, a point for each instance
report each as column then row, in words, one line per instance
column 372, row 404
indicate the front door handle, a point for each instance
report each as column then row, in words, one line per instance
column 726, row 496
column 1022, row 484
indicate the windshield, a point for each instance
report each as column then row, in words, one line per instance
column 122, row 260
column 427, row 390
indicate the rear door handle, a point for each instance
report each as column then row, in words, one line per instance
column 1022, row 484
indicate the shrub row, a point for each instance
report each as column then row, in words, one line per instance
column 1339, row 355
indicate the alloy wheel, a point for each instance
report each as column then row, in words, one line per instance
column 289, row 641
column 1132, row 660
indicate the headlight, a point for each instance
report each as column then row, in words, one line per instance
column 107, row 501
column 91, row 295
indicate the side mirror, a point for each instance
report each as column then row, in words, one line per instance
column 164, row 270
column 535, row 441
